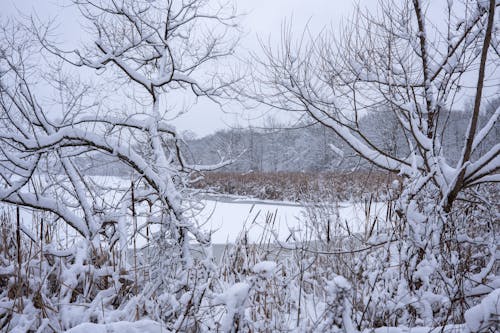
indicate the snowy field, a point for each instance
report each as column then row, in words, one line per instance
column 226, row 219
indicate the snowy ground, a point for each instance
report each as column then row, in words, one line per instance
column 225, row 217
column 228, row 218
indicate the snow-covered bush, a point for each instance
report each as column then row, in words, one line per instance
column 105, row 252
column 99, row 249
column 338, row 309
column 439, row 246
column 484, row 315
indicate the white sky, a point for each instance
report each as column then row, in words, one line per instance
column 263, row 19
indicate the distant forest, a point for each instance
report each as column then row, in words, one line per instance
column 306, row 147
column 312, row 147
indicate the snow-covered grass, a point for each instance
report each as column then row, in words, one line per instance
column 295, row 267
column 140, row 326
column 226, row 217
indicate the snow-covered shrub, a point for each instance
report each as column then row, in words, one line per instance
column 112, row 249
column 432, row 266
column 484, row 315
column 414, row 267
column 338, row 307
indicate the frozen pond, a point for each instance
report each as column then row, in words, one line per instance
column 226, row 219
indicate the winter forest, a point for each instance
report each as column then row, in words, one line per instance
column 362, row 197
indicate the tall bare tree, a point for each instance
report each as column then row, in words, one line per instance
column 399, row 59
column 156, row 51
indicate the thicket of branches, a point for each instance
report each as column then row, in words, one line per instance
column 399, row 59
column 77, row 249
column 152, row 50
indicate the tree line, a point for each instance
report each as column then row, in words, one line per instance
column 311, row 147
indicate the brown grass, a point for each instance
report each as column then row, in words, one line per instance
column 296, row 186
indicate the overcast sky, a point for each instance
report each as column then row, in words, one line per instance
column 263, row 18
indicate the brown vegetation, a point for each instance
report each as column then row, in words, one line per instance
column 296, row 186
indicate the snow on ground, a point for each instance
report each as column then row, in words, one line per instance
column 227, row 216
column 140, row 326
column 227, row 219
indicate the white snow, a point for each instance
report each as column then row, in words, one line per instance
column 235, row 295
column 228, row 219
column 234, row 299
column 265, row 269
column 340, row 282
column 141, row 326
column 485, row 313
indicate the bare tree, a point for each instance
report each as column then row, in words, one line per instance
column 157, row 51
column 399, row 59
column 392, row 60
